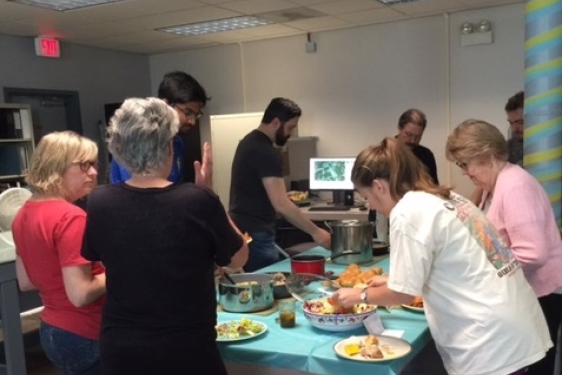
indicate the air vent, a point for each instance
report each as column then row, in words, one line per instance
column 291, row 14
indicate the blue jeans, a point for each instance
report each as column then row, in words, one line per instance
column 262, row 251
column 71, row 353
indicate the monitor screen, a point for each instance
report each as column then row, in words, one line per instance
column 331, row 173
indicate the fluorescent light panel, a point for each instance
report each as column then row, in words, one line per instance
column 62, row 5
column 217, row 26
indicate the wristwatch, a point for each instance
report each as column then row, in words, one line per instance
column 363, row 295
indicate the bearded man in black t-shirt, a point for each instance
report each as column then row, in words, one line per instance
column 257, row 188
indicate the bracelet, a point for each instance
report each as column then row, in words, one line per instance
column 364, row 295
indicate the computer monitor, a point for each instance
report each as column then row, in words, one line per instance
column 333, row 174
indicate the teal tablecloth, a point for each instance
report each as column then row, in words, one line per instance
column 309, row 349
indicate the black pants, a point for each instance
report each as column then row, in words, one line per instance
column 552, row 308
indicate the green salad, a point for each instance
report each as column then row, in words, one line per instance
column 237, row 329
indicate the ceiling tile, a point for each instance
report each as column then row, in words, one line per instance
column 319, row 23
column 257, row 6
column 428, row 7
column 130, row 26
column 132, row 9
column 310, row 2
column 207, row 13
column 345, row 6
column 273, row 30
column 372, row 16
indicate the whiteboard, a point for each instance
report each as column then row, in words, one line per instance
column 226, row 132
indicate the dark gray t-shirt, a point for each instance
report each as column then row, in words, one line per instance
column 255, row 159
column 515, row 147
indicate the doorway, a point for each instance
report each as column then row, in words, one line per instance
column 51, row 110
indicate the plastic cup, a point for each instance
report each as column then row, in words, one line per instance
column 287, row 313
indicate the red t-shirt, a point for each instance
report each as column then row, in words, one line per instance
column 48, row 236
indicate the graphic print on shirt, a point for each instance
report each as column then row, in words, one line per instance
column 482, row 230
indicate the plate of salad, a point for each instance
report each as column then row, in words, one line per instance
column 238, row 330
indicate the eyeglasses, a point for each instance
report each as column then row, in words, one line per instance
column 519, row 122
column 462, row 165
column 86, row 165
column 190, row 113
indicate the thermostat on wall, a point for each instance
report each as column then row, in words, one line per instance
column 47, row 47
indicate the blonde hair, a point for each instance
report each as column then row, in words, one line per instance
column 394, row 162
column 54, row 154
column 476, row 140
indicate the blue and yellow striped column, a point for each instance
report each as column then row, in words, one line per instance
column 543, row 97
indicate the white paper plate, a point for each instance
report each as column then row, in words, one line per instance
column 391, row 347
column 241, row 338
column 413, row 308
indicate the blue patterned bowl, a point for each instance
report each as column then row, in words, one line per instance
column 337, row 322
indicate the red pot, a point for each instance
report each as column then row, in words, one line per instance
column 303, row 263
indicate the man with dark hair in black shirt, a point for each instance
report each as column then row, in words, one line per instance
column 411, row 126
column 257, row 188
column 514, row 112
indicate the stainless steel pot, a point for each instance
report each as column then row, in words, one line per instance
column 354, row 236
column 252, row 292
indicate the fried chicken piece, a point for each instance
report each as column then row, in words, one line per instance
column 417, row 302
column 373, row 352
column 346, row 281
column 371, row 340
column 366, row 275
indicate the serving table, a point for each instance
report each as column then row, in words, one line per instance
column 306, row 349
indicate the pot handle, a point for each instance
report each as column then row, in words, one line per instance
column 326, row 223
column 345, row 252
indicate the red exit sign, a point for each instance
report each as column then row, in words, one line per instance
column 47, row 47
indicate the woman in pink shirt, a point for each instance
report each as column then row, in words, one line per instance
column 519, row 208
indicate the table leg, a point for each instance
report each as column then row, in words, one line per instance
column 11, row 325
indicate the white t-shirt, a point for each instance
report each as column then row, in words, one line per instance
column 482, row 313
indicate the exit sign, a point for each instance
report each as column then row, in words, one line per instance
column 47, row 47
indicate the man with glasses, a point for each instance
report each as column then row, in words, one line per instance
column 183, row 93
column 411, row 126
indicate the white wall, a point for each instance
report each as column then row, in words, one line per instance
column 354, row 88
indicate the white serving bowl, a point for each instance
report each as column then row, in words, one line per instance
column 337, row 322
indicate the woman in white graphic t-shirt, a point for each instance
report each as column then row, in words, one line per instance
column 481, row 311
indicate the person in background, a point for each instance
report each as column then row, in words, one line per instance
column 480, row 309
column 411, row 126
column 514, row 111
column 520, row 209
column 257, row 189
column 183, row 93
column 159, row 242
column 48, row 232
column 516, row 120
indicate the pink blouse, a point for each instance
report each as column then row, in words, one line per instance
column 522, row 213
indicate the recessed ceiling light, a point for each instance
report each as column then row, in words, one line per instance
column 62, row 5
column 217, row 26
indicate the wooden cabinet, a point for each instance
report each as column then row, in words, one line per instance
column 16, row 143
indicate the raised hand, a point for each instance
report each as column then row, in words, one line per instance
column 204, row 169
